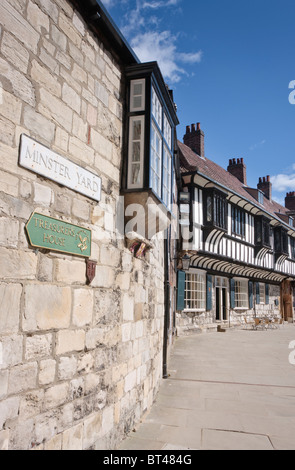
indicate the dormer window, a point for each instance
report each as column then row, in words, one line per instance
column 150, row 135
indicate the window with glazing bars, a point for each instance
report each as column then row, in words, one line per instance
column 241, row 294
column 195, row 291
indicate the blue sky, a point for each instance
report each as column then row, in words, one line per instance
column 230, row 63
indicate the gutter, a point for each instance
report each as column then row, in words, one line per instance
column 99, row 20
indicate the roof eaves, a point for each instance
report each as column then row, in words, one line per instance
column 97, row 17
column 271, row 215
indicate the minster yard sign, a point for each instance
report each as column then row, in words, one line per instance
column 45, row 162
column 57, row 235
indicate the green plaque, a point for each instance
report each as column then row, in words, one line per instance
column 57, row 235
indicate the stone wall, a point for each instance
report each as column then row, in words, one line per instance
column 79, row 364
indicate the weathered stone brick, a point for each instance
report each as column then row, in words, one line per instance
column 31, row 404
column 81, row 151
column 23, row 378
column 38, row 346
column 3, row 383
column 43, row 195
column 47, row 371
column 92, row 430
column 105, row 277
column 7, row 131
column 17, row 264
column 45, row 79
column 56, row 396
column 70, row 340
column 82, row 307
column 81, row 209
column 15, row 52
column 4, row 440
column 8, row 409
column 67, row 27
column 128, row 308
column 110, row 255
column 37, row 18
column 72, row 439
column 9, row 229
column 11, row 107
column 55, row 109
column 71, row 272
column 67, row 368
column 8, row 183
column 14, row 22
column 46, row 307
column 20, row 85
column 10, row 308
column 11, row 351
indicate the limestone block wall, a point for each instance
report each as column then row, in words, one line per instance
column 79, row 364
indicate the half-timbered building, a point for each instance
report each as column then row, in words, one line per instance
column 240, row 243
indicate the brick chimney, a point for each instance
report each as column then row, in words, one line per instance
column 194, row 139
column 238, row 169
column 265, row 186
column 290, row 201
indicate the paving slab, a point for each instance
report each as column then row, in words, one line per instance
column 225, row 391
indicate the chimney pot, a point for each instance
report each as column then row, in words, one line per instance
column 265, row 186
column 290, row 201
column 238, row 169
column 194, row 139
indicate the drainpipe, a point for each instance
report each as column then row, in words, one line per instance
column 166, row 305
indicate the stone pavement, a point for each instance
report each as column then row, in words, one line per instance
column 226, row 391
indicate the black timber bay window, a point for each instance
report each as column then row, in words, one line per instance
column 280, row 241
column 215, row 209
column 262, row 232
column 238, row 217
column 150, row 135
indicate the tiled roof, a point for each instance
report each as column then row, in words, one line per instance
column 191, row 162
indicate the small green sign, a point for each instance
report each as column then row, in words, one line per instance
column 57, row 235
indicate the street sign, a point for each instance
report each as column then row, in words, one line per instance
column 43, row 161
column 57, row 235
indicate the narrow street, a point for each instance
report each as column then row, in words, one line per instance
column 226, row 391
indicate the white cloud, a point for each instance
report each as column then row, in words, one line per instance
column 283, row 182
column 161, row 47
column 257, row 145
column 159, row 4
column 142, row 27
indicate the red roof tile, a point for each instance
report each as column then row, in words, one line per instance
column 191, row 162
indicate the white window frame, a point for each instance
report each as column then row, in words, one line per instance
column 167, row 176
column 156, row 173
column 241, row 294
column 157, row 108
column 261, row 293
column 133, row 84
column 195, row 284
column 131, row 163
column 167, row 131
